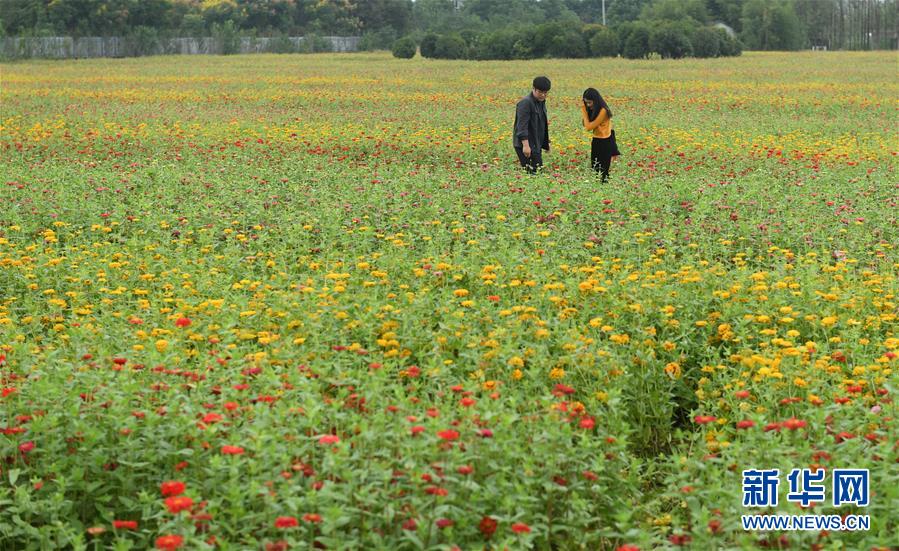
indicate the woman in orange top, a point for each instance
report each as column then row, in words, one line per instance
column 597, row 117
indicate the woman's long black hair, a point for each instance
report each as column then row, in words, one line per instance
column 593, row 95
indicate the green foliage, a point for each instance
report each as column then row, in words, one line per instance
column 404, row 48
column 428, row 45
column 227, row 36
column 706, row 42
column 567, row 44
column 771, row 25
column 281, row 44
column 382, row 39
column 143, row 41
column 761, row 24
column 497, row 45
column 728, row 45
column 604, row 44
column 450, row 46
column 360, row 256
column 670, row 41
column 636, row 45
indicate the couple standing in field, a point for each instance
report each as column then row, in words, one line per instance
column 531, row 131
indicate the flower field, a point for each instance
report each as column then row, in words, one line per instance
column 307, row 302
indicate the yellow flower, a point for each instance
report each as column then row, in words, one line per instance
column 162, row 345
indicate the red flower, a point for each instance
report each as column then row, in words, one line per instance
column 772, row 426
column 487, row 526
column 178, row 503
column 286, row 522
column 465, row 469
column 182, row 322
column 627, row 547
column 704, row 419
column 486, row 433
column 172, row 488
column 329, row 439
column 410, row 524
column 444, row 523
column 124, row 524
column 467, row 402
column 26, row 447
column 312, row 518
column 742, row 394
column 417, row 429
column 714, row 526
column 210, row 418
column 745, row 424
column 588, row 423
column 232, row 450
column 679, row 539
column 448, row 434
column 169, row 543
column 794, row 424
column 521, row 528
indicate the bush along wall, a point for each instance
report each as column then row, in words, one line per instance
column 633, row 40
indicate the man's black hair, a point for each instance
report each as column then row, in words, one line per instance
column 542, row 84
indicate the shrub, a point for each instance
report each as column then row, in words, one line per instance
column 706, row 42
column 728, row 45
column 227, row 36
column 497, row 45
column 143, row 41
column 568, row 44
column 382, row 39
column 281, row 44
column 450, row 47
column 670, row 42
column 404, row 48
column 604, row 44
column 428, row 45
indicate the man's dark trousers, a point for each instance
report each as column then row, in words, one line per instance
column 532, row 164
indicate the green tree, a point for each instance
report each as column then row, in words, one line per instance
column 622, row 11
column 727, row 12
column 636, row 46
column 728, row 45
column 604, row 44
column 771, row 25
column 498, row 44
column 670, row 41
column 675, row 10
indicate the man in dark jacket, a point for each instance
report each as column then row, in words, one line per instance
column 531, row 132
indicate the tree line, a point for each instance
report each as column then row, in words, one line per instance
column 757, row 24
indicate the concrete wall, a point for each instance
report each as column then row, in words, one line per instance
column 64, row 47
